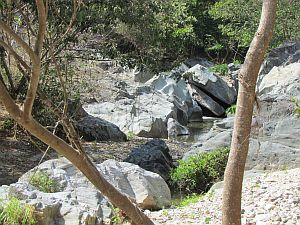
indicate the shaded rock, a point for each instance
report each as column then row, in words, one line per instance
column 208, row 105
column 211, row 84
column 176, row 129
column 78, row 202
column 153, row 156
column 195, row 113
column 200, row 61
column 122, row 91
column 143, row 75
column 92, row 128
column 285, row 54
column 176, row 72
column 95, row 129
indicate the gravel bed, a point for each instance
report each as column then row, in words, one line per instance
column 272, row 198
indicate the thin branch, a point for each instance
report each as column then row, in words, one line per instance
column 42, row 27
column 23, row 44
column 27, row 22
column 14, row 54
column 36, row 67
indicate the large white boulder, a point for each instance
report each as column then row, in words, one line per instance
column 77, row 201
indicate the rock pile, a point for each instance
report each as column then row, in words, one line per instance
column 76, row 201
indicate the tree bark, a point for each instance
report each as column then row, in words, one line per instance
column 234, row 173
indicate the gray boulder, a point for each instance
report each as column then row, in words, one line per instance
column 208, row 105
column 211, row 84
column 177, row 92
column 145, row 116
column 91, row 128
column 78, row 202
column 153, row 156
column 148, row 189
column 281, row 83
column 176, row 129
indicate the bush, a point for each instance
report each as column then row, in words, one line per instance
column 130, row 136
column 221, row 68
column 14, row 213
column 231, row 110
column 297, row 110
column 199, row 172
column 43, row 182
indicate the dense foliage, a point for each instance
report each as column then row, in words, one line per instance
column 157, row 33
column 199, row 172
column 238, row 21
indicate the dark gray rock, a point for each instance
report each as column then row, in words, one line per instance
column 285, row 54
column 208, row 105
column 195, row 113
column 95, row 129
column 201, row 61
column 143, row 75
column 153, row 156
column 176, row 129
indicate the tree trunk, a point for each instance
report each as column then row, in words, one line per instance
column 242, row 125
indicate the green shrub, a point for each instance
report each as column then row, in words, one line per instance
column 15, row 213
column 130, row 136
column 117, row 217
column 297, row 107
column 221, row 68
column 199, row 172
column 231, row 110
column 297, row 110
column 237, row 62
column 43, row 182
